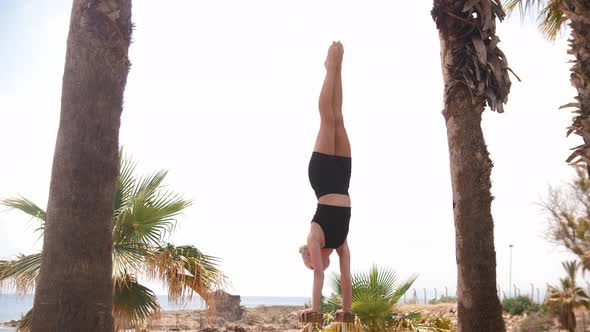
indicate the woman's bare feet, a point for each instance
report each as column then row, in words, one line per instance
column 334, row 57
column 340, row 51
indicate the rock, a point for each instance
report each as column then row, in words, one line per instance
column 228, row 306
column 9, row 323
column 235, row 328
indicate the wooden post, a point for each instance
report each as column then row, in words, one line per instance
column 344, row 318
column 312, row 318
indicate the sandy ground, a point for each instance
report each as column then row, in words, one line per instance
column 264, row 318
column 284, row 319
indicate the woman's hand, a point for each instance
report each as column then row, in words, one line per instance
column 304, row 312
column 340, row 312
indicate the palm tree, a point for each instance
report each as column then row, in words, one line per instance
column 553, row 16
column 75, row 286
column 374, row 296
column 143, row 217
column 475, row 73
column 566, row 299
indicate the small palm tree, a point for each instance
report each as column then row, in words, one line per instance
column 374, row 296
column 566, row 299
column 553, row 16
column 143, row 217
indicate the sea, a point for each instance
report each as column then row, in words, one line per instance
column 13, row 306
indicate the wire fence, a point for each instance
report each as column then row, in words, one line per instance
column 529, row 322
column 444, row 294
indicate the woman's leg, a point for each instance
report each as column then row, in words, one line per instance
column 325, row 141
column 342, row 145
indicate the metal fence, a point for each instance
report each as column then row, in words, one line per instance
column 535, row 294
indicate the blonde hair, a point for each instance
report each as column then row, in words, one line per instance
column 302, row 249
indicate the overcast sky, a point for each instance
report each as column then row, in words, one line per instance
column 224, row 93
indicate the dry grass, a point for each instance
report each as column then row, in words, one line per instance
column 434, row 309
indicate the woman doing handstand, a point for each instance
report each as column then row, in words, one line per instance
column 329, row 175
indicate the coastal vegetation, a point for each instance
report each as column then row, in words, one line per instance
column 144, row 217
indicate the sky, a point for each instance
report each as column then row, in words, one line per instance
column 223, row 94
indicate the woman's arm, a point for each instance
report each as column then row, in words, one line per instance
column 345, row 279
column 315, row 251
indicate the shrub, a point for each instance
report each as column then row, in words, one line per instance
column 536, row 322
column 519, row 305
column 443, row 299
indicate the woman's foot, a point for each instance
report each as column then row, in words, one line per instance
column 334, row 56
column 340, row 52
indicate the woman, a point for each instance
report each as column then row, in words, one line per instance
column 329, row 174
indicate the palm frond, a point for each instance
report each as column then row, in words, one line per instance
column 149, row 185
column 185, row 270
column 385, row 280
column 374, row 295
column 552, row 19
column 549, row 14
column 27, row 206
column 402, row 288
column 475, row 61
column 125, row 182
column 525, row 6
column 134, row 305
column 571, row 268
column 21, row 273
column 144, row 211
column 129, row 257
column 149, row 221
column 25, row 324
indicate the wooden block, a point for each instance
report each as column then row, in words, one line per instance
column 312, row 317
column 345, row 317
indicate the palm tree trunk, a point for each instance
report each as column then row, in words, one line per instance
column 479, row 308
column 578, row 13
column 462, row 45
column 75, row 288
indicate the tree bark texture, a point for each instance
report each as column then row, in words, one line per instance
column 75, row 286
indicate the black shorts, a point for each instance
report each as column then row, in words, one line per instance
column 329, row 174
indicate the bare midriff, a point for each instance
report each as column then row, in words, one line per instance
column 335, row 199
